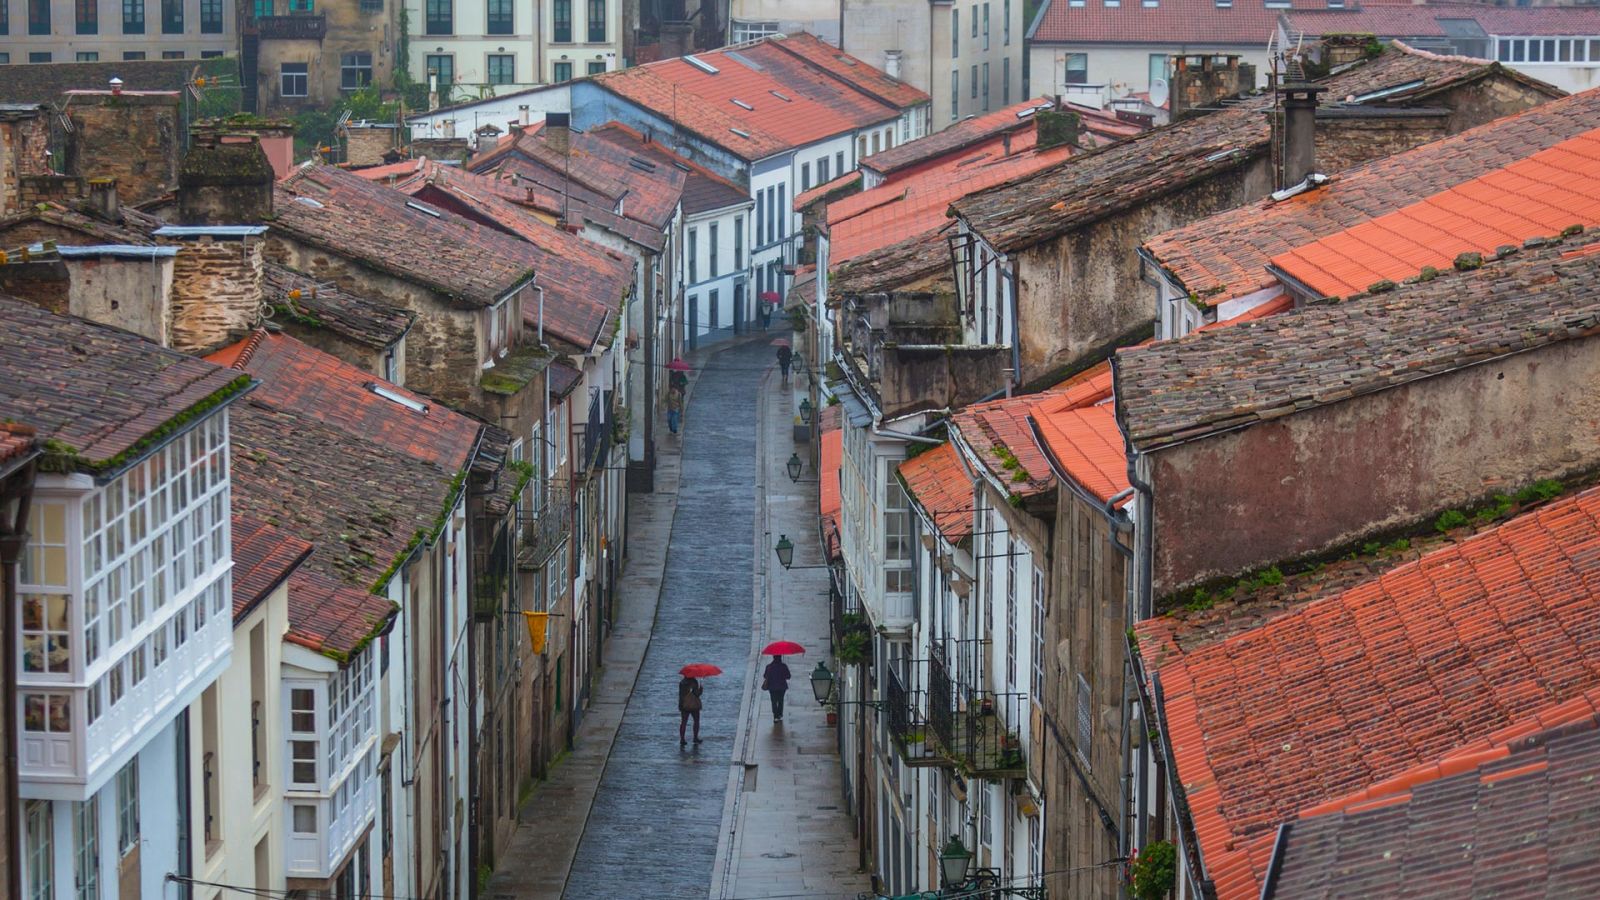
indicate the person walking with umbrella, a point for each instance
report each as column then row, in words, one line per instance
column 689, row 690
column 785, row 358
column 775, row 680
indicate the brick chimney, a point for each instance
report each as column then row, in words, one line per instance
column 103, row 199
column 1056, row 127
column 1198, row 83
column 557, row 130
column 216, row 287
column 1299, row 132
column 225, row 182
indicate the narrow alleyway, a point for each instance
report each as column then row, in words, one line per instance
column 656, row 817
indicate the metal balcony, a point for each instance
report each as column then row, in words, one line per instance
column 544, row 530
column 975, row 728
column 903, row 708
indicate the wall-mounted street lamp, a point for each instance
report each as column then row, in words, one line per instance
column 785, row 551
column 954, row 862
column 794, row 466
column 806, row 409
column 821, row 682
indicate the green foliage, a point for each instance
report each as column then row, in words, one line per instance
column 1154, row 872
column 855, row 647
column 1399, row 545
column 1428, row 273
column 1498, row 506
column 1466, row 262
column 1202, row 599
column 1449, row 520
column 1380, row 287
column 1539, row 491
column 313, row 128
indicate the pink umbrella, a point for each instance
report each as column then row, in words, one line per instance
column 678, row 365
column 782, row 648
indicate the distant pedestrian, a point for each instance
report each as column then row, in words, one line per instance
column 775, row 681
column 678, row 381
column 766, row 315
column 785, row 358
column 688, row 705
column 674, row 409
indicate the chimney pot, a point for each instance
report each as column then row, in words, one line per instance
column 1299, row 132
column 103, row 199
column 116, row 87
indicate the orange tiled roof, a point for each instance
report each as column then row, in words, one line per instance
column 331, row 618
column 848, row 69
column 912, row 155
column 1477, row 640
column 999, row 434
column 263, row 558
column 303, row 379
column 783, row 101
column 584, row 281
column 1087, row 444
column 806, row 198
column 939, row 483
column 1533, row 197
column 829, row 504
column 16, row 440
column 1226, row 255
column 916, row 205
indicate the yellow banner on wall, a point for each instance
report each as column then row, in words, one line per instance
column 537, row 622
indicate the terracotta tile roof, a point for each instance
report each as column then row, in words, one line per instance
column 888, row 236
column 1087, row 444
column 1395, row 21
column 526, row 182
column 1002, row 440
column 95, row 231
column 702, row 189
column 584, row 282
column 299, row 378
column 346, row 214
column 615, row 162
column 828, row 502
column 563, row 378
column 353, row 317
column 1225, row 256
column 18, row 442
column 318, row 454
column 1092, row 185
column 1210, row 381
column 1495, row 632
column 1537, row 196
column 43, row 82
column 842, row 184
column 1522, row 806
column 263, row 558
column 791, row 102
column 1174, row 23
column 939, row 483
column 333, row 619
column 963, row 134
column 103, row 392
column 846, row 68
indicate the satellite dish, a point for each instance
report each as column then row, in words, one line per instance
column 1158, row 92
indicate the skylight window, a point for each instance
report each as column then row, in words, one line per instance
column 740, row 132
column 643, row 165
column 394, row 396
column 421, row 208
column 749, row 63
column 742, row 105
column 701, row 64
column 780, row 96
column 308, row 202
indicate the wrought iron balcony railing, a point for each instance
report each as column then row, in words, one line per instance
column 544, row 530
column 903, row 707
column 977, row 729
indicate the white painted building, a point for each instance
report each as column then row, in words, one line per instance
column 123, row 602
column 489, row 47
column 463, row 119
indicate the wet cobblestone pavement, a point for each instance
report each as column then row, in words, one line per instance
column 654, row 827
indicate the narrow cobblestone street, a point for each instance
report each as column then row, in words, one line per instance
column 653, row 830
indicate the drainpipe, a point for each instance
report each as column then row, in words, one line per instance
column 1139, row 594
column 1016, row 334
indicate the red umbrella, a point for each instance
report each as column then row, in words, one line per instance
column 781, row 342
column 770, row 296
column 783, row 648
column 678, row 365
column 699, row 670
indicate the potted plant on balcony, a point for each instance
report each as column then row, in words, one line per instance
column 855, row 646
column 832, row 710
column 1153, row 871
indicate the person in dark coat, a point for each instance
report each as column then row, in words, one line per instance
column 775, row 681
column 688, row 705
column 785, row 357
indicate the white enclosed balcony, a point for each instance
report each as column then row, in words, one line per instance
column 332, row 739
column 123, row 610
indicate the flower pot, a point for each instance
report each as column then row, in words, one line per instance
column 833, row 717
